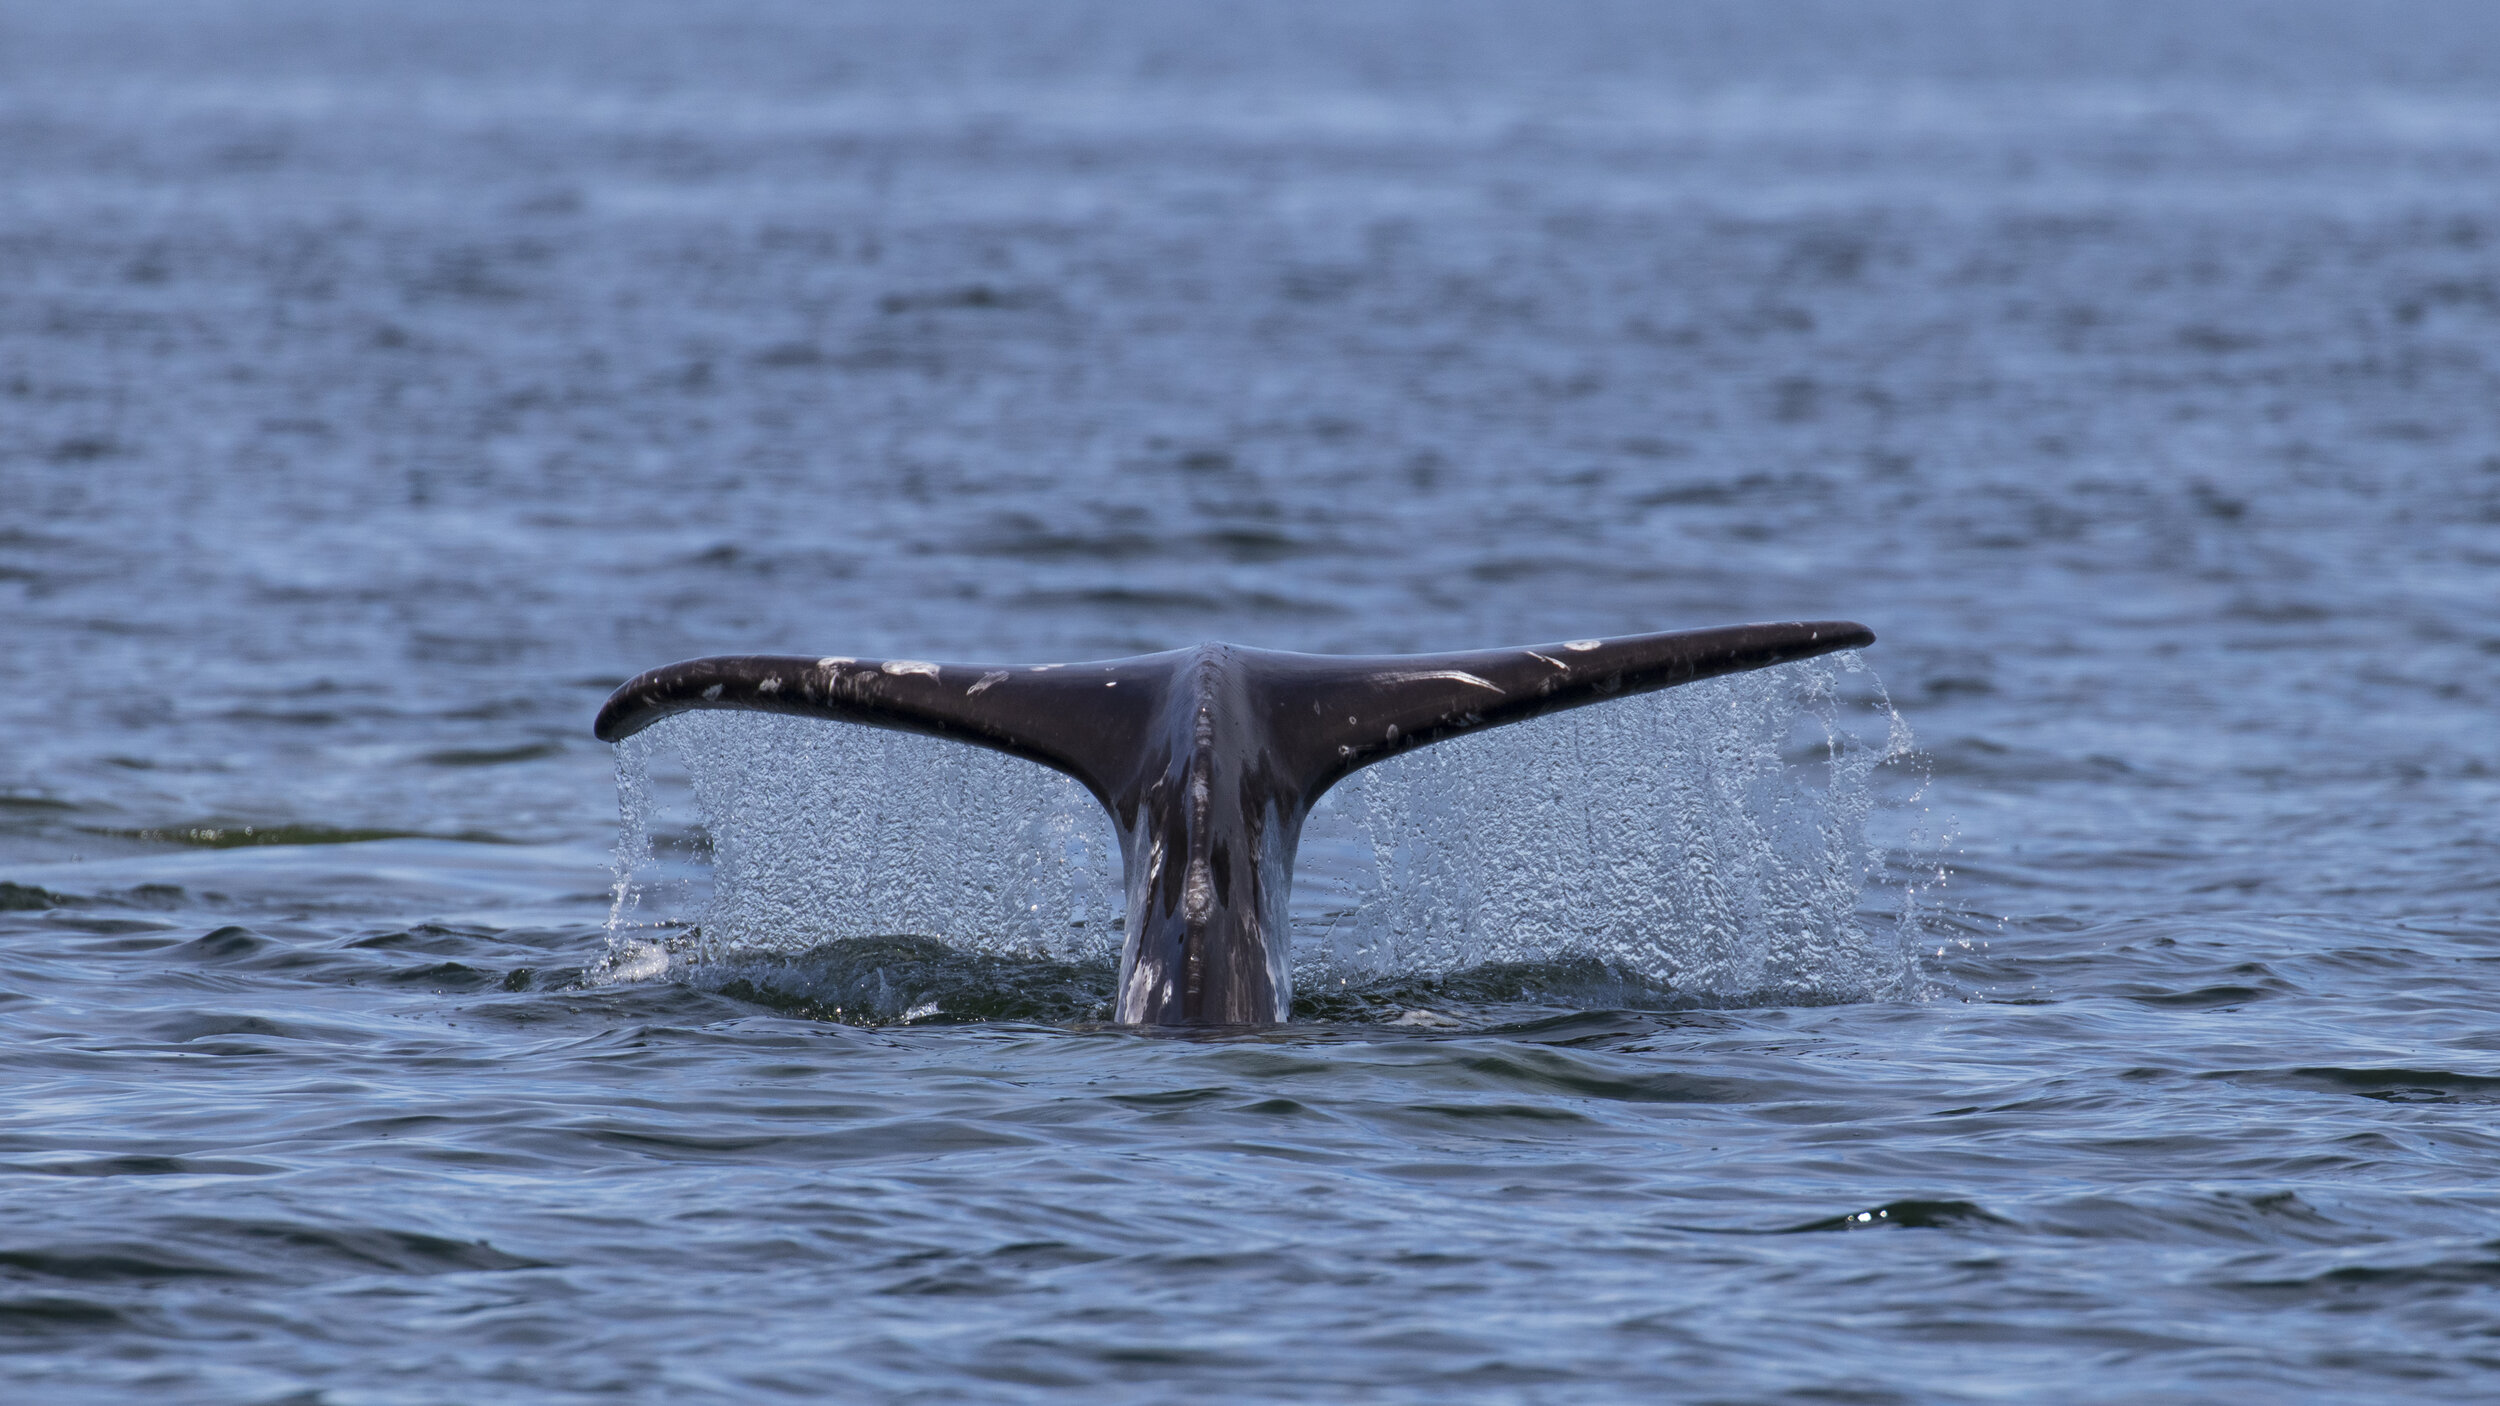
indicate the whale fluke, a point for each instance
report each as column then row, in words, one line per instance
column 1208, row 759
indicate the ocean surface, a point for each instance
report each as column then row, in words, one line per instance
column 2088, row 993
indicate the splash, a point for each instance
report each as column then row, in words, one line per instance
column 822, row 832
column 639, row 947
column 1711, row 840
column 633, row 834
column 1706, row 844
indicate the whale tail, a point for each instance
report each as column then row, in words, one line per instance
column 1209, row 758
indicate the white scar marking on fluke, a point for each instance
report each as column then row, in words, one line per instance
column 711, row 694
column 993, row 676
column 1532, row 654
column 1197, row 892
column 1581, row 646
column 909, row 666
column 830, row 660
column 1453, row 675
column 771, row 685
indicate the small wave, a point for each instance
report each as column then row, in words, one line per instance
column 920, row 980
column 1910, row 1214
column 1493, row 992
column 106, row 1263
column 901, row 980
column 40, row 1314
column 218, row 1247
column 492, row 756
column 2387, row 1085
column 2332, row 1277
column 356, row 1248
column 142, row 1165
column 226, row 944
column 26, row 898
column 244, row 836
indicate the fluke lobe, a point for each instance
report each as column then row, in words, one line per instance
column 1209, row 758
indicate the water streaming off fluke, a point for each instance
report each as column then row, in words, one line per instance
column 1707, row 845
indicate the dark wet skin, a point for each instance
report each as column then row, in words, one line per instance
column 1209, row 759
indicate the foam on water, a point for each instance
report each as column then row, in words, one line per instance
column 1711, row 839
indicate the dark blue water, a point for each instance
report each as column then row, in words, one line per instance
column 381, row 384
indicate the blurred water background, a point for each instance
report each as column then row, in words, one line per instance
column 2086, row 995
